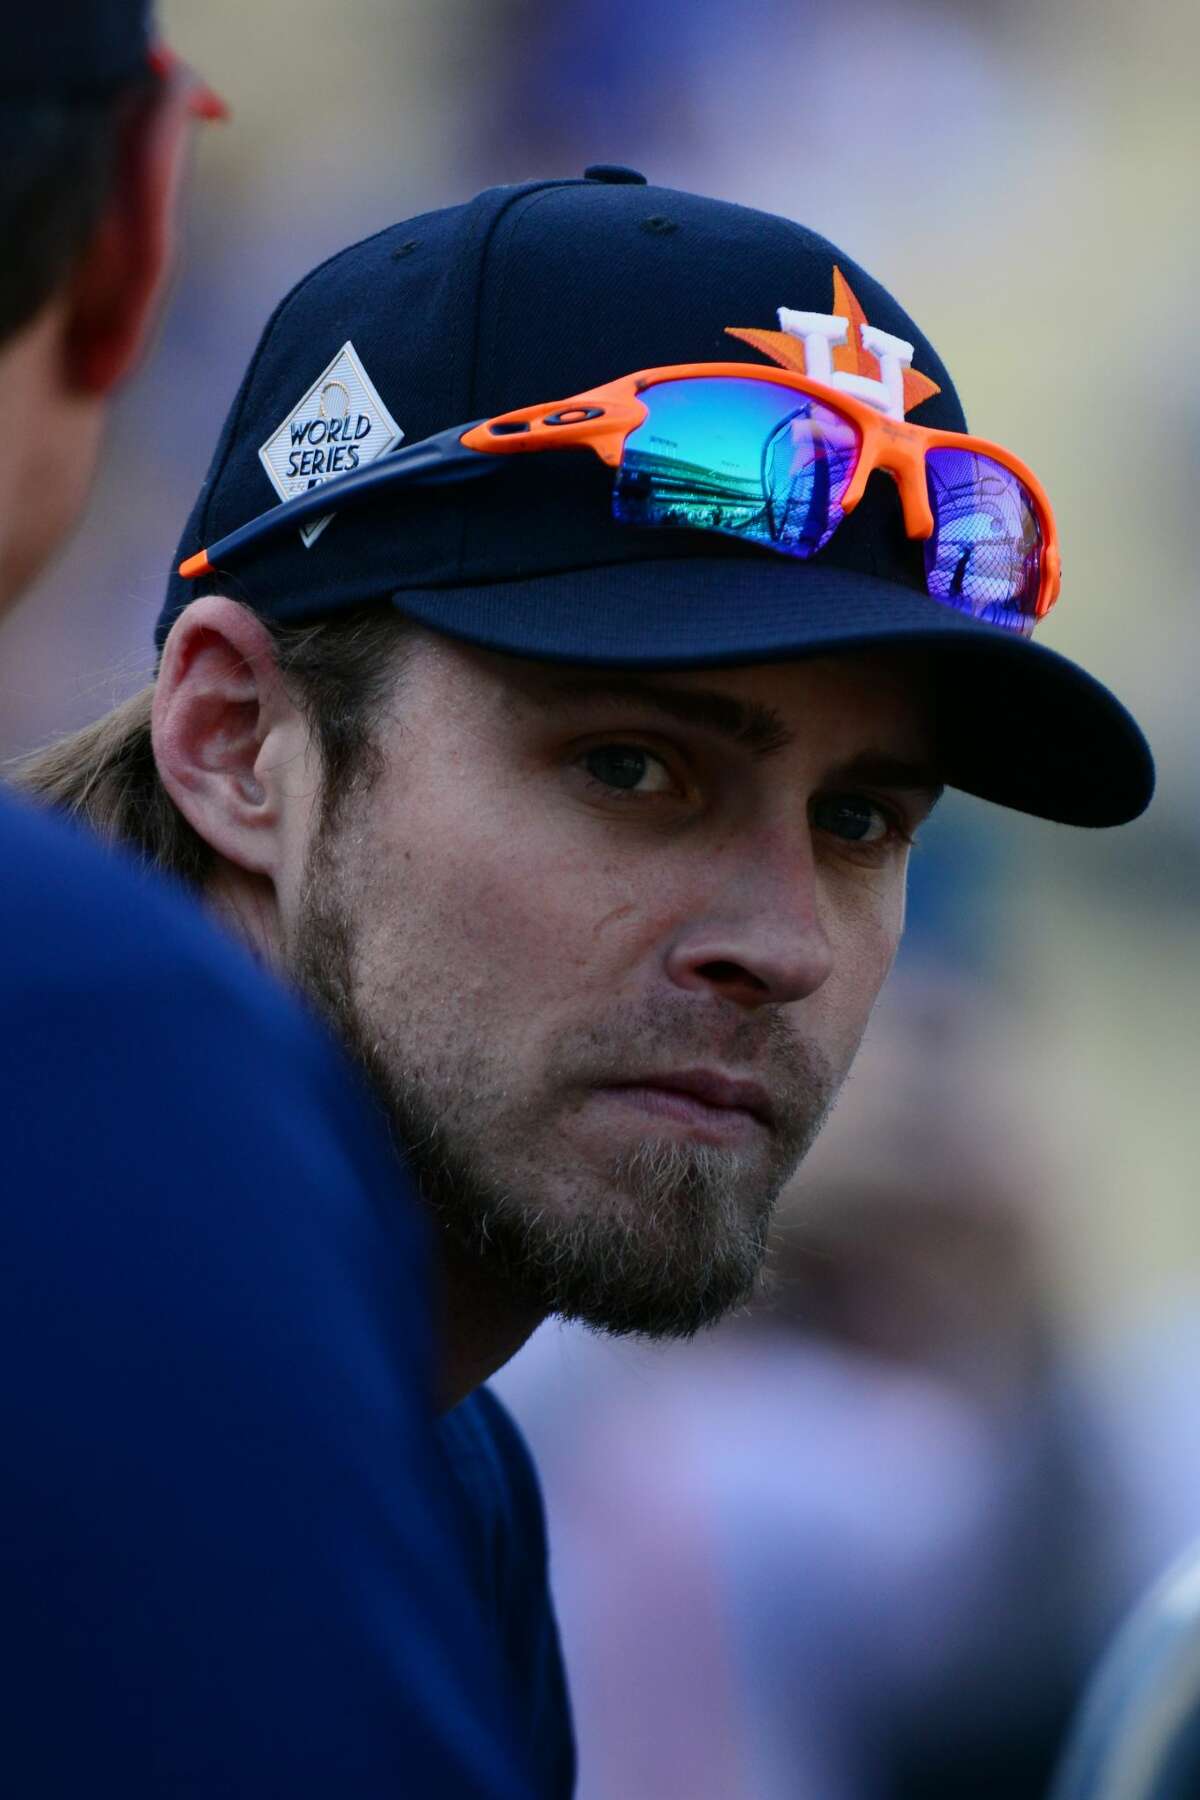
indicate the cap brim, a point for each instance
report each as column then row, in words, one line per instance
column 1017, row 723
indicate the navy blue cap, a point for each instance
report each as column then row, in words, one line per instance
column 60, row 48
column 536, row 292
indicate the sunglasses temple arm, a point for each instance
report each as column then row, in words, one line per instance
column 443, row 457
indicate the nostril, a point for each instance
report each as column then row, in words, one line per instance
column 731, row 974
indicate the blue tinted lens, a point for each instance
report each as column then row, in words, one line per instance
column 985, row 555
column 748, row 458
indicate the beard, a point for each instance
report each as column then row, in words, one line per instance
column 658, row 1238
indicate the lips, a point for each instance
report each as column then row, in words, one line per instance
column 711, row 1087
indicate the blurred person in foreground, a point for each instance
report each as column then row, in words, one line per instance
column 580, row 796
column 235, row 1556
column 881, row 1525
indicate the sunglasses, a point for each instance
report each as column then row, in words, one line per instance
column 763, row 455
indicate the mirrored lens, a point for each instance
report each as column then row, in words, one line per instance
column 985, row 555
column 748, row 458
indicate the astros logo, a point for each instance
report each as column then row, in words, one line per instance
column 843, row 350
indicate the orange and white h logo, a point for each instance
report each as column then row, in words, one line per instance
column 842, row 349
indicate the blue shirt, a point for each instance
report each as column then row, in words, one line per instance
column 505, row 1536
column 231, row 1561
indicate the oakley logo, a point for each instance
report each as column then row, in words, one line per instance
column 842, row 349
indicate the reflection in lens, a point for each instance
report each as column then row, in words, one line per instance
column 751, row 459
column 985, row 555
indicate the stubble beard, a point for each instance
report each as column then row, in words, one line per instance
column 659, row 1239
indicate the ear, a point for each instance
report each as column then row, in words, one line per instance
column 232, row 748
column 118, row 282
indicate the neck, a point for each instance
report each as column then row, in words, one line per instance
column 246, row 907
column 483, row 1324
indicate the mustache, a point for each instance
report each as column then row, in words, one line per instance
column 657, row 1035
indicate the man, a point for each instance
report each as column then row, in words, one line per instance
column 580, row 797
column 235, row 1558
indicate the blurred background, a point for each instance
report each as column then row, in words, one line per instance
column 932, row 1468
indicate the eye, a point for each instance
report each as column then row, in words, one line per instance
column 854, row 819
column 628, row 769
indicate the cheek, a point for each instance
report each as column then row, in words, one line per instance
column 863, row 912
column 864, row 923
column 498, row 904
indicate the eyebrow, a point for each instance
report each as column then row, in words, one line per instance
column 755, row 727
column 879, row 768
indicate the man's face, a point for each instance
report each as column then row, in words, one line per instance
column 607, row 945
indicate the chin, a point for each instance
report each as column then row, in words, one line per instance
column 667, row 1241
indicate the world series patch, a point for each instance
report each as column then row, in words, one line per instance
column 339, row 425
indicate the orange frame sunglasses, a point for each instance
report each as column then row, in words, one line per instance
column 601, row 419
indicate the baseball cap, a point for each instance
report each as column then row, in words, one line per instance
column 81, row 50
column 542, row 290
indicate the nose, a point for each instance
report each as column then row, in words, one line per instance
column 759, row 940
